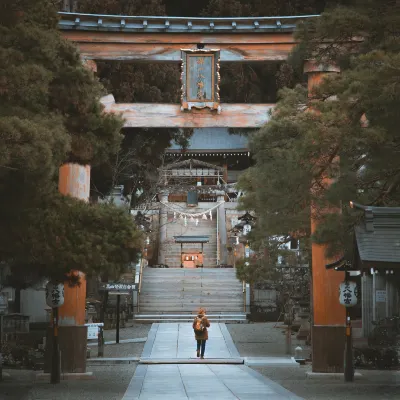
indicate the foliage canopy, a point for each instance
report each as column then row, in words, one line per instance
column 50, row 114
column 318, row 138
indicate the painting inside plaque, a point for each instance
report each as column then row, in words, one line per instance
column 200, row 78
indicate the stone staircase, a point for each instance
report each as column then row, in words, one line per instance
column 174, row 295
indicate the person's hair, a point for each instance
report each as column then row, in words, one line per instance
column 201, row 311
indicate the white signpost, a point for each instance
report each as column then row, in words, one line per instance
column 93, row 330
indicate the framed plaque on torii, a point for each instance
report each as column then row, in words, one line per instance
column 200, row 79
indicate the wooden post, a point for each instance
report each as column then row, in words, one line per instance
column 181, row 255
column 74, row 181
column 118, row 318
column 55, row 375
column 328, row 315
column 100, row 342
column 348, row 352
column 1, row 347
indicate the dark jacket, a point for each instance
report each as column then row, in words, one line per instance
column 203, row 335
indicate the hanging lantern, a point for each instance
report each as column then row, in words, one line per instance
column 210, row 215
column 54, row 294
column 174, row 215
column 246, row 229
column 197, row 221
column 185, row 221
column 348, row 293
column 247, row 251
column 204, row 216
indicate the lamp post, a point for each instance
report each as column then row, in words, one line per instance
column 348, row 297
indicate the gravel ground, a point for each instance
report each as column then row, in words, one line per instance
column 110, row 381
column 124, row 350
column 372, row 385
column 262, row 340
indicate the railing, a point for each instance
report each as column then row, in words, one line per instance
column 244, row 295
column 125, row 23
column 140, row 276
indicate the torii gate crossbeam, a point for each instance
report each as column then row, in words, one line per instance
column 160, row 39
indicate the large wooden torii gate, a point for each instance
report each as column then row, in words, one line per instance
column 162, row 39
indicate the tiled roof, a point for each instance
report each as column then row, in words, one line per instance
column 215, row 139
column 378, row 235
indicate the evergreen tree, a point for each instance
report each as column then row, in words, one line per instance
column 50, row 114
column 311, row 140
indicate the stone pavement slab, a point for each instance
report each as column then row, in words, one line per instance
column 271, row 361
column 193, row 360
column 169, row 369
column 172, row 382
column 176, row 340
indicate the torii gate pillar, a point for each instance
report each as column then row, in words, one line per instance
column 329, row 318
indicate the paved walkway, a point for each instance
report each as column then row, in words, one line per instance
column 199, row 380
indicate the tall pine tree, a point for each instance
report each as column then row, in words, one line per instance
column 50, row 114
column 302, row 144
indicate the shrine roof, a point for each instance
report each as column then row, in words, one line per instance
column 378, row 234
column 191, row 239
column 214, row 139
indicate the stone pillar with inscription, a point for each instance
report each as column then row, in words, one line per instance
column 163, row 227
column 222, row 232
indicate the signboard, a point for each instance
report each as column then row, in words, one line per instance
column 93, row 330
column 200, row 79
column 380, row 296
column 119, row 287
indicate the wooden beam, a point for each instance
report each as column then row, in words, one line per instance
column 154, row 47
column 152, row 115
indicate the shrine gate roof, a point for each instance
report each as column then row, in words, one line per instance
column 125, row 23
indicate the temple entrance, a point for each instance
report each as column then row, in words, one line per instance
column 192, row 259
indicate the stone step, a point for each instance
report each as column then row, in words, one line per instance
column 190, row 294
column 187, row 309
column 192, row 315
column 190, row 308
column 178, row 286
column 182, row 317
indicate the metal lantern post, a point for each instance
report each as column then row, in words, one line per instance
column 55, row 299
column 348, row 298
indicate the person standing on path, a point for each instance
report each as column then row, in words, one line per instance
column 200, row 325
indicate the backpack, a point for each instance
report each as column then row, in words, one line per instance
column 199, row 327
